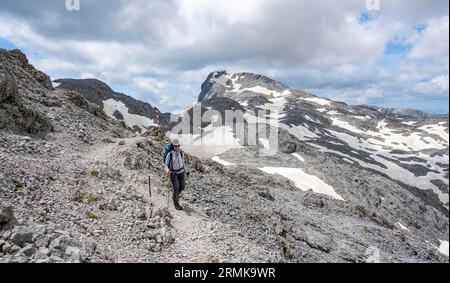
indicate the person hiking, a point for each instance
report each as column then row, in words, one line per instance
column 176, row 170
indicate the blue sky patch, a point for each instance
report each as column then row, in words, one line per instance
column 394, row 47
column 6, row 44
column 365, row 17
column 394, row 52
column 420, row 28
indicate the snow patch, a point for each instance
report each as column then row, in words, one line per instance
column 222, row 80
column 310, row 119
column 298, row 156
column 348, row 160
column 438, row 130
column 304, row 181
column 392, row 170
column 221, row 161
column 111, row 105
column 403, row 227
column 320, row 101
column 345, row 125
column 408, row 142
column 444, row 248
column 364, row 118
column 302, row 133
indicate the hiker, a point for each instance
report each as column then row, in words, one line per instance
column 176, row 170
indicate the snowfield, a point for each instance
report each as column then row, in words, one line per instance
column 304, row 181
column 111, row 105
column 221, row 161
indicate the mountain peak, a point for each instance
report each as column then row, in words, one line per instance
column 234, row 85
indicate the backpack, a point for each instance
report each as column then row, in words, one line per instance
column 168, row 147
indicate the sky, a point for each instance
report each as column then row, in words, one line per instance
column 390, row 53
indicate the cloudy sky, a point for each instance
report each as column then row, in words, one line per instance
column 160, row 51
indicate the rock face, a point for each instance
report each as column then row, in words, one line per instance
column 84, row 187
column 8, row 87
column 99, row 93
column 17, row 111
column 20, row 60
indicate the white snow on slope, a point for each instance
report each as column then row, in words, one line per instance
column 345, row 125
column 111, row 105
column 221, row 161
column 310, row 119
column 235, row 87
column 222, row 80
column 392, row 170
column 333, row 112
column 444, row 248
column 258, row 89
column 320, row 101
column 409, row 142
column 295, row 154
column 438, row 130
column 55, row 85
column 403, row 227
column 302, row 133
column 234, row 78
column 364, row 118
column 304, row 181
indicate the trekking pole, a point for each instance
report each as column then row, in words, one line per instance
column 149, row 183
column 168, row 193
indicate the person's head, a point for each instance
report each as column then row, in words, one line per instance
column 176, row 144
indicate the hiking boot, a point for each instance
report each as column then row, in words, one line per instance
column 178, row 207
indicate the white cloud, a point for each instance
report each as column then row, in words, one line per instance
column 438, row 85
column 434, row 41
column 150, row 85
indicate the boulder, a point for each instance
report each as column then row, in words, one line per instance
column 6, row 214
column 28, row 250
column 21, row 235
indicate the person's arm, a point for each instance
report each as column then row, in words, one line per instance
column 186, row 169
column 167, row 162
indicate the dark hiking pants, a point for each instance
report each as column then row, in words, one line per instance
column 178, row 185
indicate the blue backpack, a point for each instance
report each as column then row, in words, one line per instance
column 168, row 147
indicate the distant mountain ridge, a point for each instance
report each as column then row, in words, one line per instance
column 141, row 114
